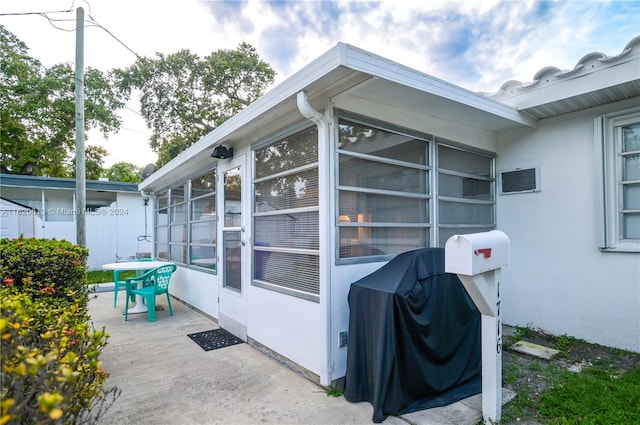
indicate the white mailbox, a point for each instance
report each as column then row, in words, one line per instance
column 476, row 253
column 477, row 259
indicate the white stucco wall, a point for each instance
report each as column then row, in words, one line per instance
column 287, row 325
column 196, row 288
column 16, row 221
column 559, row 280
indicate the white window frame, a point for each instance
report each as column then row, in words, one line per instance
column 170, row 206
column 609, row 196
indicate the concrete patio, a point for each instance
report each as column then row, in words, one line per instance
column 166, row 378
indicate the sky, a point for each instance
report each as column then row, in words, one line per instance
column 477, row 45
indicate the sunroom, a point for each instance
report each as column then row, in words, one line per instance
column 349, row 162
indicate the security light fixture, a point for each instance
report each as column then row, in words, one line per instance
column 222, row 152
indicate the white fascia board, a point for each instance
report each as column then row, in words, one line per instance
column 360, row 60
column 576, row 84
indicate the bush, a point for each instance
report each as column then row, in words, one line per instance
column 47, row 267
column 50, row 368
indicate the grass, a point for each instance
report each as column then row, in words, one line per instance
column 594, row 396
column 102, row 276
column 606, row 390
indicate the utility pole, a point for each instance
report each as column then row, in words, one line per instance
column 81, row 183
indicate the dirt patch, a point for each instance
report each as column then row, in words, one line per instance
column 528, row 376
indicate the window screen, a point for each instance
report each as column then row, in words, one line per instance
column 383, row 198
column 630, row 158
column 203, row 221
column 185, row 225
column 286, row 216
column 466, row 201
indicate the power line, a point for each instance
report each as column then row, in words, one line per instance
column 91, row 19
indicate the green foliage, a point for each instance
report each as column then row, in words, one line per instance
column 43, row 266
column 93, row 160
column 332, row 392
column 37, row 110
column 124, row 172
column 524, row 332
column 50, row 367
column 564, row 341
column 594, row 396
column 183, row 96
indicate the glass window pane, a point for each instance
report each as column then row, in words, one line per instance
column 177, row 194
column 204, row 184
column 357, row 207
column 369, row 241
column 632, row 196
column 162, row 200
column 162, row 251
column 631, row 167
column 162, row 217
column 362, row 173
column 298, row 230
column 631, row 137
column 293, row 151
column 204, row 209
column 465, row 213
column 179, row 233
column 162, row 235
column 297, row 190
column 631, row 226
column 294, row 271
column 233, row 260
column 372, row 141
column 464, row 187
column 178, row 253
column 464, row 162
column 203, row 256
column 179, row 213
column 232, row 198
column 295, row 274
column 203, row 232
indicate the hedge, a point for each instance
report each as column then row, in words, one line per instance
column 51, row 371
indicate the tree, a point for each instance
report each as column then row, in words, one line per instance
column 94, row 158
column 184, row 97
column 124, row 172
column 37, row 110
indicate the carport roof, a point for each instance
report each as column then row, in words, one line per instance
column 18, row 180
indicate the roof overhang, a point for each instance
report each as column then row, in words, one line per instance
column 343, row 71
column 38, row 182
column 597, row 79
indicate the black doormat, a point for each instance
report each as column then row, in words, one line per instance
column 214, row 339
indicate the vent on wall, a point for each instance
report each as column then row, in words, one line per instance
column 520, row 180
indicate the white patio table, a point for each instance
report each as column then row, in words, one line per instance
column 138, row 266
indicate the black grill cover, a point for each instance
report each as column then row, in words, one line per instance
column 414, row 337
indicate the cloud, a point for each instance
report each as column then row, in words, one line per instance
column 478, row 45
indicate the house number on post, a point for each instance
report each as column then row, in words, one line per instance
column 478, row 259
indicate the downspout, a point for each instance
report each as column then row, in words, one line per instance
column 325, row 285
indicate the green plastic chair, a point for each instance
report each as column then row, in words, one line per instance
column 161, row 277
column 118, row 283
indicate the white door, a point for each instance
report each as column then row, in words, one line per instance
column 235, row 247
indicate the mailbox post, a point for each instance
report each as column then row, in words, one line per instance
column 477, row 259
